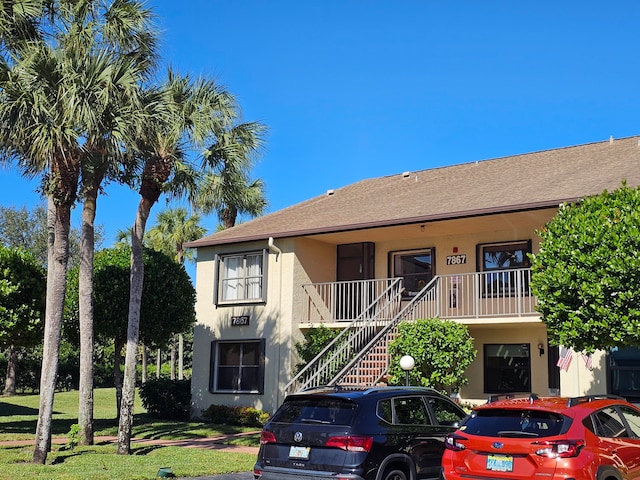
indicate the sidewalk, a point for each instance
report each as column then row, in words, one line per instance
column 211, row 443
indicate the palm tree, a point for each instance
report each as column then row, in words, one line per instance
column 39, row 130
column 54, row 90
column 227, row 188
column 173, row 228
column 116, row 110
column 183, row 115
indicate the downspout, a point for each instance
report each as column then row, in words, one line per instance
column 278, row 252
column 273, row 248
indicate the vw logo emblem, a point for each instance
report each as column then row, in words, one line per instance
column 497, row 445
column 297, row 436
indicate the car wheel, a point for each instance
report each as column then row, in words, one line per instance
column 395, row 474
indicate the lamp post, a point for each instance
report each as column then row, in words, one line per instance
column 407, row 363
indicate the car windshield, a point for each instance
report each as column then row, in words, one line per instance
column 502, row 422
column 334, row 411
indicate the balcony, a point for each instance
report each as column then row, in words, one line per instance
column 477, row 295
column 373, row 309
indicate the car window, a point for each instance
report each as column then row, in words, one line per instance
column 503, row 422
column 633, row 419
column 316, row 410
column 608, row 423
column 384, row 410
column 410, row 410
column 446, row 412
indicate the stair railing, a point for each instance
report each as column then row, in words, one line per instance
column 362, row 369
column 356, row 335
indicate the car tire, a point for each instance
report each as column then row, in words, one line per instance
column 394, row 474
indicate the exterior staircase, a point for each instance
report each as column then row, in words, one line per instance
column 359, row 354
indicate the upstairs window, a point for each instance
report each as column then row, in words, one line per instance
column 503, row 265
column 415, row 268
column 241, row 277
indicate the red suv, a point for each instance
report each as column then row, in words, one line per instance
column 583, row 438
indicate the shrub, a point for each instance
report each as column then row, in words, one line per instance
column 314, row 342
column 167, row 399
column 243, row 416
column 442, row 350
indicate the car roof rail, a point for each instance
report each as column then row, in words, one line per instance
column 406, row 388
column 494, row 397
column 573, row 401
column 320, row 387
column 335, row 387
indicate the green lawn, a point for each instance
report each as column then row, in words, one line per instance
column 18, row 417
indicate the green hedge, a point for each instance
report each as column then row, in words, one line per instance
column 243, row 416
column 167, row 399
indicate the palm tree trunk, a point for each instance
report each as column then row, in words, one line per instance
column 10, row 380
column 180, row 357
column 56, row 284
column 133, row 328
column 144, row 364
column 87, row 245
column 173, row 357
column 117, row 374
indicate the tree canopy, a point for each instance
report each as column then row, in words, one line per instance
column 22, row 304
column 22, row 296
column 442, row 350
column 27, row 229
column 587, row 273
column 168, row 298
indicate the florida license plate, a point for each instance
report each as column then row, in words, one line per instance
column 500, row 463
column 299, row 452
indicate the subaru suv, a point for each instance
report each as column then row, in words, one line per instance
column 351, row 433
column 581, row 438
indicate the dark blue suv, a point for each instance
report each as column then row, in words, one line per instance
column 351, row 433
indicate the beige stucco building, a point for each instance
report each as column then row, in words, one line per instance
column 448, row 242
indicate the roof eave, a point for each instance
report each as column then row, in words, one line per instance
column 212, row 241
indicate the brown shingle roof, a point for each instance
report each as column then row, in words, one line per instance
column 519, row 182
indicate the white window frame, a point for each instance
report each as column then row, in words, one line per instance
column 241, row 277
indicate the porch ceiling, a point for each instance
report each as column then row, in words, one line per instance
column 441, row 228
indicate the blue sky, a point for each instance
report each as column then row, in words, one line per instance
column 361, row 89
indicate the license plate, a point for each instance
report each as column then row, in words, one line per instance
column 500, row 463
column 299, row 452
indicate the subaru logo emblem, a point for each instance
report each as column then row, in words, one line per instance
column 297, row 436
column 497, row 445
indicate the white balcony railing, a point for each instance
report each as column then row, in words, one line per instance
column 358, row 354
column 331, row 302
column 469, row 295
column 504, row 293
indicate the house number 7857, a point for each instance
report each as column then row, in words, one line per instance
column 456, row 259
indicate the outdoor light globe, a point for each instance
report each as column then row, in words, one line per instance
column 407, row 363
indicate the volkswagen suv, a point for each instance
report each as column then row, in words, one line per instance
column 581, row 438
column 350, row 433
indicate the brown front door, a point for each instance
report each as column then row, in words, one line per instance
column 355, row 262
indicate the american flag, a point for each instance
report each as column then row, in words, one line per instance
column 588, row 360
column 566, row 354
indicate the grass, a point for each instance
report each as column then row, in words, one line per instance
column 19, row 414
